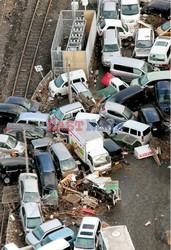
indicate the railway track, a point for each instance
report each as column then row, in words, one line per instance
column 26, row 64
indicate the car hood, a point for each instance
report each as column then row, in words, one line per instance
column 31, row 239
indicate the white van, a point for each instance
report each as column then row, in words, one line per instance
column 130, row 12
column 88, row 234
column 59, row 244
column 59, row 85
column 111, row 46
column 160, row 55
column 40, row 120
column 12, row 246
column 144, row 40
column 140, row 131
column 129, row 68
column 124, row 31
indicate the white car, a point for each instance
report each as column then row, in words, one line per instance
column 31, row 216
column 10, row 144
column 28, row 188
column 79, row 87
column 59, row 85
column 130, row 12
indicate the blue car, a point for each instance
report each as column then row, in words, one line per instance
column 65, row 233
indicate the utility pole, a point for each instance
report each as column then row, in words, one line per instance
column 69, row 82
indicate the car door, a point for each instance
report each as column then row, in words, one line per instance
column 64, row 89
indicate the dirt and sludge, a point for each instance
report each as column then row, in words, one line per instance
column 144, row 206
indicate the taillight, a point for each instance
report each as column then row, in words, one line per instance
column 103, row 109
column 142, row 138
column 164, row 65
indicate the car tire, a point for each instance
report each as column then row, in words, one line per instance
column 6, row 180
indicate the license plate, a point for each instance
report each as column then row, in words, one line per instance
column 155, row 129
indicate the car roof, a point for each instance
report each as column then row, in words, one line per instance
column 61, row 151
column 73, row 74
column 125, row 93
column 127, row 61
column 32, row 209
column 135, row 125
column 86, row 116
column 13, row 108
column 11, row 246
column 144, row 33
column 4, row 138
column 15, row 99
column 50, row 225
column 13, row 161
column 109, row 6
column 58, row 244
column 34, row 116
column 20, row 126
column 88, row 221
column 127, row 2
column 30, row 185
column 115, row 106
column 110, row 36
column 69, row 107
column 159, row 49
column 42, row 142
column 79, row 87
column 61, row 233
column 159, row 75
column 45, row 162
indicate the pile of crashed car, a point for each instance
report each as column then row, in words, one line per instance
column 62, row 157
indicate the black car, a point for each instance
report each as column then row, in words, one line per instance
column 149, row 115
column 31, row 131
column 131, row 97
column 157, row 7
column 47, row 177
column 29, row 105
column 10, row 168
column 9, row 112
column 163, row 95
column 113, row 149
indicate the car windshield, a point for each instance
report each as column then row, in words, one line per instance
column 85, row 243
column 59, row 115
column 165, row 26
column 109, row 14
column 110, row 48
column 58, row 81
column 143, row 80
column 38, row 233
column 157, row 57
column 165, row 98
column 147, row 67
column 101, row 160
column 68, row 164
column 27, row 104
column 11, row 142
column 46, row 241
column 33, row 222
column 130, row 9
column 151, row 115
column 127, row 113
column 31, row 197
column 143, row 44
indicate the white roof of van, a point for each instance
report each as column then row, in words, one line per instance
column 127, row 2
column 127, row 61
column 110, row 36
column 144, row 33
column 79, row 86
column 10, row 246
column 33, row 116
column 115, row 106
column 88, row 132
column 87, row 116
column 73, row 74
column 136, row 125
column 88, row 221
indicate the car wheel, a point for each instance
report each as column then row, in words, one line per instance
column 7, row 180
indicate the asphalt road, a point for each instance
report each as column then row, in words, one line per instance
column 145, row 197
